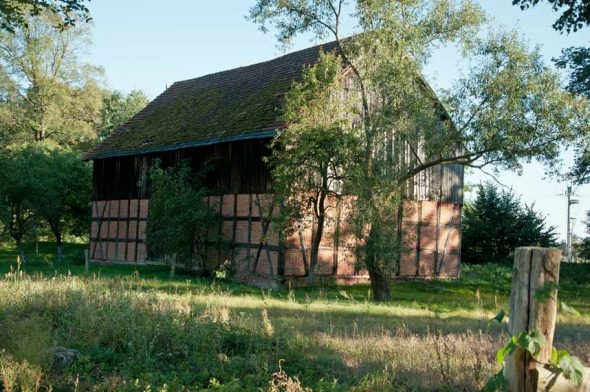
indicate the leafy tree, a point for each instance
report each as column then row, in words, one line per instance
column 496, row 222
column 575, row 15
column 64, row 185
column 16, row 13
column 312, row 156
column 179, row 220
column 508, row 107
column 46, row 182
column 16, row 187
column 118, row 108
column 50, row 94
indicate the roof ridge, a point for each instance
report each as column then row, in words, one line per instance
column 242, row 67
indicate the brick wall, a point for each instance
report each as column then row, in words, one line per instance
column 431, row 238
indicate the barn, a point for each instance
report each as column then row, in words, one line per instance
column 226, row 120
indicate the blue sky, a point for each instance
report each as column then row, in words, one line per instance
column 149, row 44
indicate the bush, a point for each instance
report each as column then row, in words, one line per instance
column 179, row 221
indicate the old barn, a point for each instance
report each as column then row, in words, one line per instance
column 226, row 120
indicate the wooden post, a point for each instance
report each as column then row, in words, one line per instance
column 535, row 269
column 86, row 262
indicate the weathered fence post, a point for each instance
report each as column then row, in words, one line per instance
column 535, row 269
column 86, row 262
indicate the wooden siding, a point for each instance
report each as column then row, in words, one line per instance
column 235, row 167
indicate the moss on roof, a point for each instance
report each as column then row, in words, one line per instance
column 240, row 103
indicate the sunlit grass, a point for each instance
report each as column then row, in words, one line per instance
column 137, row 329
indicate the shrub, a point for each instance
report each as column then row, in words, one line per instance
column 179, row 221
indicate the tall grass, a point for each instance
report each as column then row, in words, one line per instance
column 137, row 333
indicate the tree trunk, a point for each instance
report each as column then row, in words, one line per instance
column 379, row 285
column 315, row 249
column 379, row 278
column 55, row 228
column 60, row 248
column 21, row 252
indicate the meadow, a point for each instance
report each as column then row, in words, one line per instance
column 137, row 330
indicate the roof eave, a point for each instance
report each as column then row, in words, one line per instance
column 263, row 134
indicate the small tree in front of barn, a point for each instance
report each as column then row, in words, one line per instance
column 507, row 107
column 179, row 221
column 313, row 156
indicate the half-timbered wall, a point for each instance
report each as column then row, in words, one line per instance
column 241, row 183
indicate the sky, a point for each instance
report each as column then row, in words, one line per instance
column 149, row 44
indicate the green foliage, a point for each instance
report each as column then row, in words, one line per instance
column 507, row 108
column 497, row 383
column 49, row 93
column 179, row 220
column 570, row 366
column 16, row 13
column 496, row 222
column 577, row 61
column 16, row 188
column 47, row 182
column 575, row 15
column 531, row 342
column 313, row 156
column 118, row 108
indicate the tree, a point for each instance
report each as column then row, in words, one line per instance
column 43, row 181
column 15, row 13
column 50, row 93
column 508, row 107
column 118, row 108
column 313, row 154
column 575, row 16
column 16, row 187
column 496, row 222
column 179, row 220
column 64, row 185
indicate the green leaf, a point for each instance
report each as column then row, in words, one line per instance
column 572, row 368
column 496, row 383
column 531, row 342
column 506, row 350
column 568, row 309
column 499, row 317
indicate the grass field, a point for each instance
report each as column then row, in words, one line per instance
column 137, row 330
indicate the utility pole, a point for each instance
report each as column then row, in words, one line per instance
column 568, row 239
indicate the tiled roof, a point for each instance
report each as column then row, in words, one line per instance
column 237, row 104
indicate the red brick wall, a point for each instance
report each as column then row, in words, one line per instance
column 431, row 238
column 117, row 232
